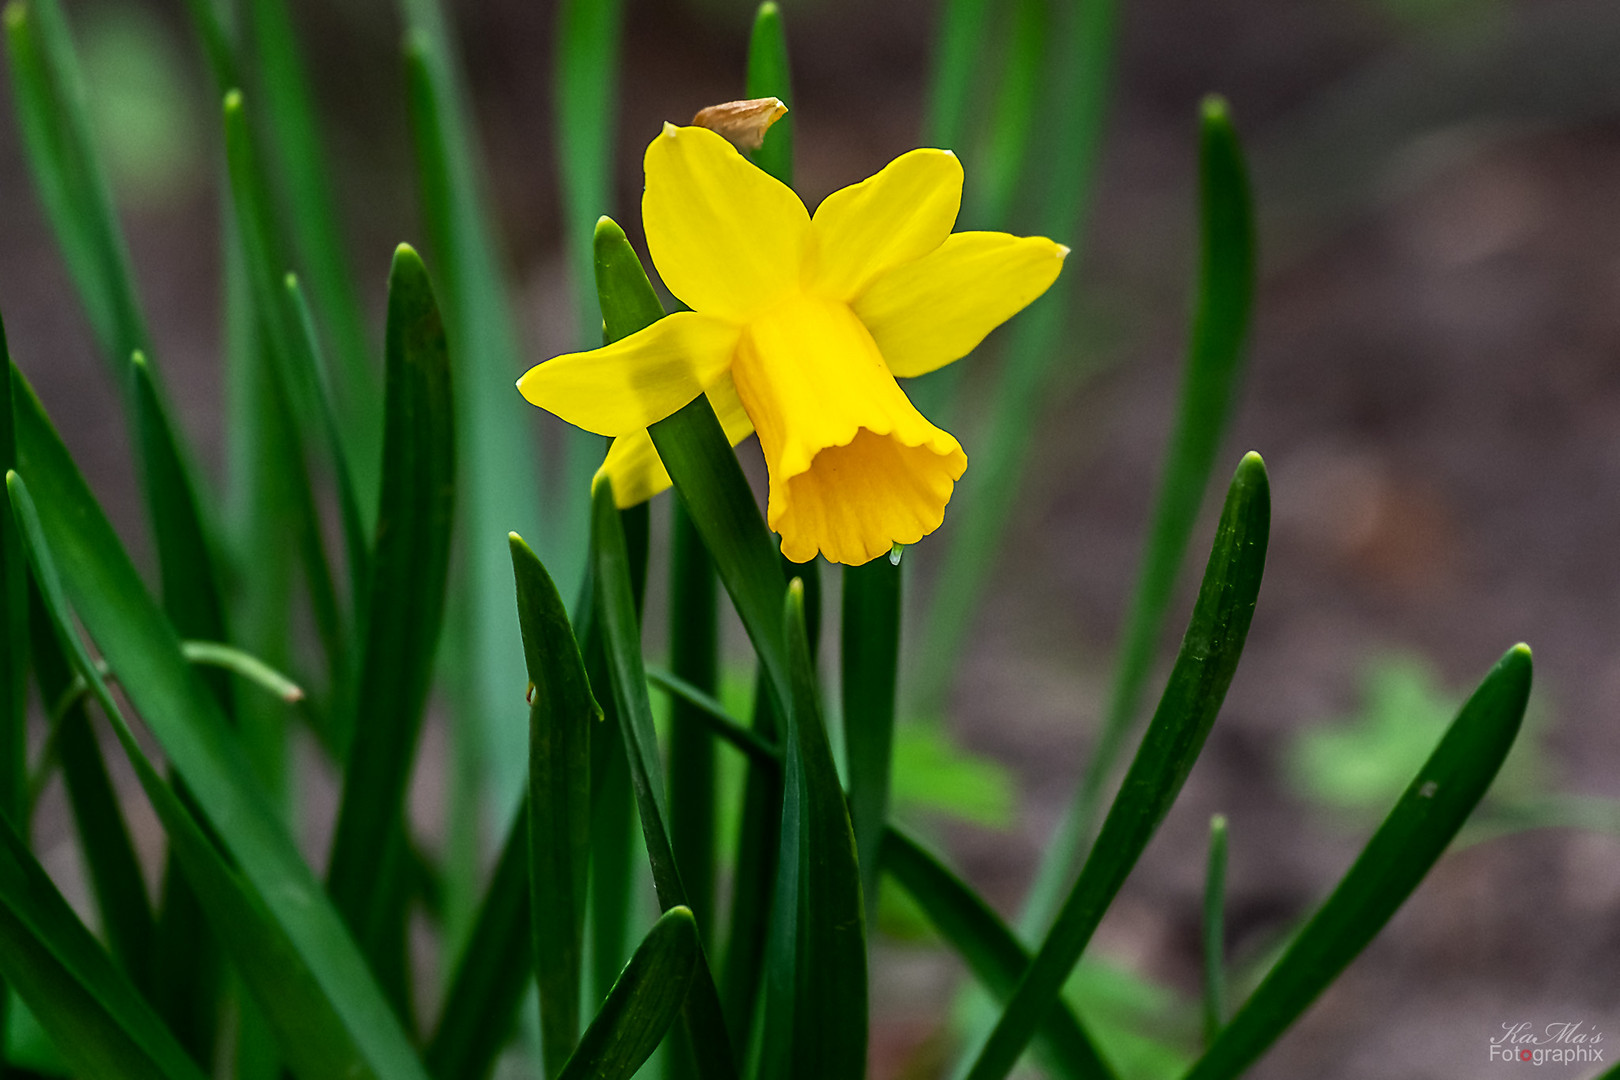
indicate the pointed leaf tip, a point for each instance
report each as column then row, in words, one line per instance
column 1215, row 109
column 607, row 231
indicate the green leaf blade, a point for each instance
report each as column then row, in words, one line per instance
column 68, row 175
column 828, row 925
column 621, row 636
column 644, row 1002
column 1397, row 858
column 770, row 75
column 141, row 647
column 870, row 655
column 1215, row 354
column 991, row 950
column 406, row 596
column 1203, row 670
column 96, row 1019
column 561, row 717
column 491, row 973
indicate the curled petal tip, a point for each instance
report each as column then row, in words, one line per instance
column 1063, row 251
column 670, row 130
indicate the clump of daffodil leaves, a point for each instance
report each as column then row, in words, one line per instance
column 799, row 327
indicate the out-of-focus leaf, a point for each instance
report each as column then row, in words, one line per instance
column 1214, row 931
column 297, row 404
column 56, row 129
column 935, row 775
column 1208, row 395
column 771, row 75
column 1198, row 683
column 14, row 627
column 643, row 1003
column 104, row 839
column 405, row 606
column 491, row 973
column 141, row 648
column 294, row 146
column 99, row 1022
column 1399, row 855
column 500, row 464
column 1075, row 90
column 312, row 1033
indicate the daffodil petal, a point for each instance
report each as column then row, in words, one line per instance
column 901, row 214
column 637, row 380
column 727, row 238
column 854, row 468
column 927, row 313
column 632, row 461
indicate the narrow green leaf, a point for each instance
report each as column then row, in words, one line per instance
column 55, row 122
column 492, row 971
column 350, row 517
column 15, row 795
column 260, row 504
column 1214, row 931
column 1215, row 353
column 759, row 837
column 405, row 606
column 643, row 1003
column 561, row 716
column 708, row 710
column 141, row 647
column 818, row 889
column 770, row 75
column 14, row 799
column 585, row 88
column 104, row 838
column 1075, row 88
column 1016, row 116
column 216, row 44
column 186, row 562
column 499, row 462
column 1198, row 682
column 1399, row 855
column 295, row 385
column 97, row 1020
column 958, row 50
column 296, row 151
column 621, row 635
column 991, row 950
column 694, row 655
column 312, row 1034
column 870, row 656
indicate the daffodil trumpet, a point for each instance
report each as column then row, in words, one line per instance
column 799, row 326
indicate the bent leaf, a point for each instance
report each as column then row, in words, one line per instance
column 644, row 1002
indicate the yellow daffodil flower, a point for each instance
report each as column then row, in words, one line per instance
column 798, row 329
